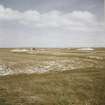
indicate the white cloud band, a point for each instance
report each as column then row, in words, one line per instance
column 53, row 22
column 76, row 20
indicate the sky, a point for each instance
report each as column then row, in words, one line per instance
column 52, row 23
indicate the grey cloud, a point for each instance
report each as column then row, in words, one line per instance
column 95, row 6
column 73, row 24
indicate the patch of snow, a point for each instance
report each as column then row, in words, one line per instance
column 86, row 49
column 5, row 71
column 19, row 50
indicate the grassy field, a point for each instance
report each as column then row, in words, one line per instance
column 70, row 77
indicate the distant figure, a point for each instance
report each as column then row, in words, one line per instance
column 33, row 48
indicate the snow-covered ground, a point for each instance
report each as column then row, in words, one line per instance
column 85, row 49
column 5, row 71
column 47, row 66
column 19, row 50
column 48, row 62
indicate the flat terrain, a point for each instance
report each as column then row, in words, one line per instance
column 52, row 77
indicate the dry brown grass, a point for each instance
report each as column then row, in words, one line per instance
column 82, row 86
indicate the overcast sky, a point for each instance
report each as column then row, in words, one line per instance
column 52, row 23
